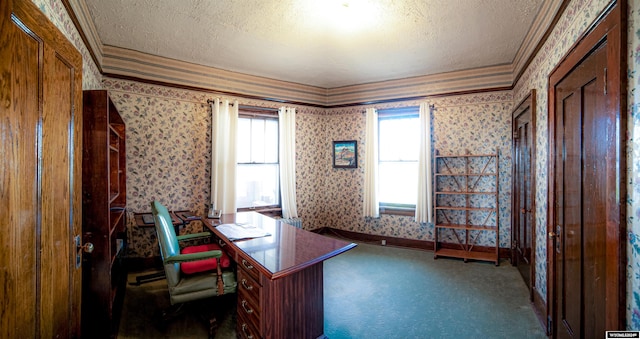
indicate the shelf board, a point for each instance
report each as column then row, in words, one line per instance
column 115, row 131
column 465, row 155
column 467, row 227
column 117, row 207
column 117, row 213
column 465, row 174
column 113, row 197
column 465, row 208
column 465, row 193
column 484, row 256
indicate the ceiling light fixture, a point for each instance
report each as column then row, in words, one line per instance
column 344, row 16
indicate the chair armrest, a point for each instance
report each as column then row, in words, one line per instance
column 192, row 236
column 192, row 257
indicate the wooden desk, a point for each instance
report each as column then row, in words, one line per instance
column 280, row 286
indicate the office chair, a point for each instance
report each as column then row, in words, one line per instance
column 193, row 272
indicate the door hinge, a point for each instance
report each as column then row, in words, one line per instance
column 76, row 239
column 605, row 81
column 549, row 323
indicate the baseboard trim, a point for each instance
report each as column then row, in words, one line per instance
column 540, row 309
column 427, row 245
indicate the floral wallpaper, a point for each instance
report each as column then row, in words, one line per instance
column 168, row 135
column 478, row 123
column 163, row 139
column 166, row 128
column 166, row 159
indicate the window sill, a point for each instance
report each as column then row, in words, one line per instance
column 271, row 211
column 398, row 211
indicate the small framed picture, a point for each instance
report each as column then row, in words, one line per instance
column 345, row 154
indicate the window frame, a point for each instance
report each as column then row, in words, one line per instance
column 396, row 113
column 245, row 112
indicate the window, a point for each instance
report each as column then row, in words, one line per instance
column 258, row 178
column 398, row 149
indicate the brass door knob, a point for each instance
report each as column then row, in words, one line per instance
column 87, row 247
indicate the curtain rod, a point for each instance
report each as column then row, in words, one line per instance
column 258, row 108
column 211, row 101
column 403, row 109
column 253, row 108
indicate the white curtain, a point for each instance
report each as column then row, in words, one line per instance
column 424, row 201
column 287, row 125
column 224, row 127
column 371, row 204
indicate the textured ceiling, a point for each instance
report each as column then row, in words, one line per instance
column 324, row 43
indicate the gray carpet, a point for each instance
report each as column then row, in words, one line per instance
column 385, row 292
column 373, row 291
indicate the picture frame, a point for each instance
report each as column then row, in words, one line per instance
column 345, row 154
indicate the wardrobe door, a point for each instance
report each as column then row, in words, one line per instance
column 40, row 206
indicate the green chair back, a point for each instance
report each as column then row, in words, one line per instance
column 167, row 241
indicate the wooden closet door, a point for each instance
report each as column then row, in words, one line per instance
column 580, row 200
column 523, row 191
column 586, row 289
column 40, row 180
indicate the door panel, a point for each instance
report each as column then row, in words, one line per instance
column 40, row 74
column 55, row 259
column 580, row 150
column 523, row 174
column 523, row 122
column 594, row 217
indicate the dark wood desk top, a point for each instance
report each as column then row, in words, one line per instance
column 285, row 251
column 186, row 216
column 175, row 220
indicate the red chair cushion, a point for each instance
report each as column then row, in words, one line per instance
column 205, row 264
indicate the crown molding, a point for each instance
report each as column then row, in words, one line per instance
column 81, row 18
column 133, row 65
column 545, row 21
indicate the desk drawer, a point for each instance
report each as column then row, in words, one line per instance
column 245, row 329
column 248, row 286
column 248, row 309
column 226, row 248
column 245, row 265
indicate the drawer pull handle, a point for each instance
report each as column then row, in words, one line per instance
column 244, row 330
column 244, row 284
column 244, row 305
column 247, row 265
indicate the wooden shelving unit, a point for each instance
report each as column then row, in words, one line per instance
column 466, row 197
column 104, row 215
